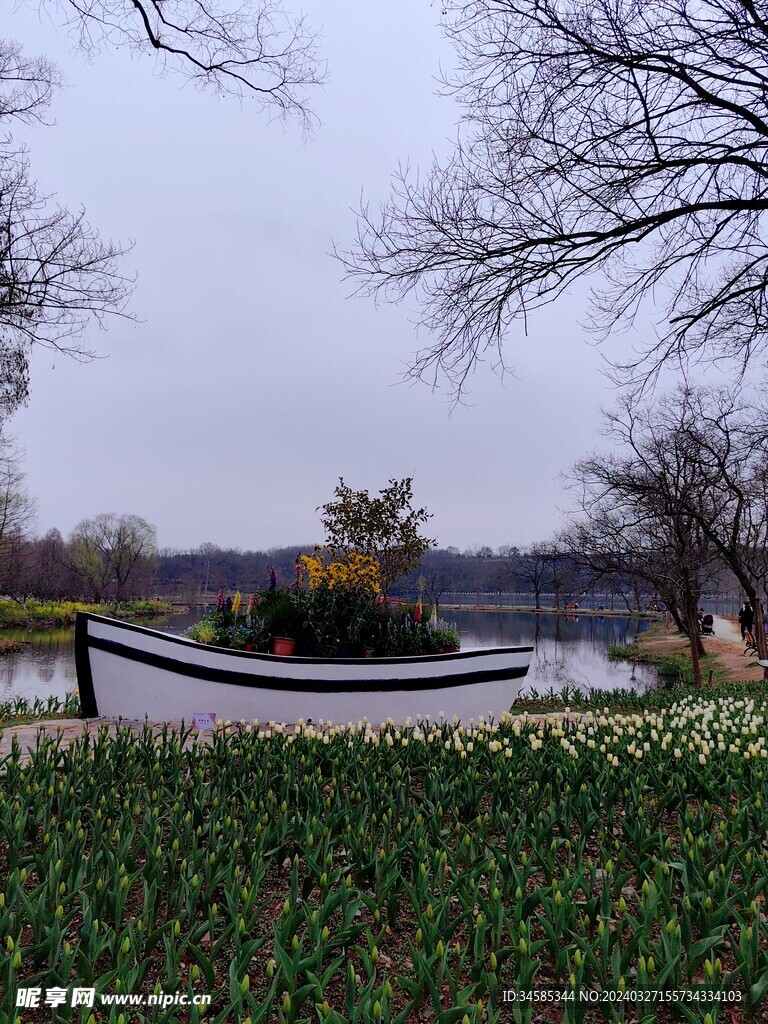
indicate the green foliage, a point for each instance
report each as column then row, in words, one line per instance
column 62, row 613
column 20, row 709
column 284, row 612
column 394, row 874
column 106, row 552
column 402, row 636
column 386, row 528
column 675, row 665
column 223, row 628
column 326, row 622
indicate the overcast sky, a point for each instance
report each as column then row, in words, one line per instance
column 252, row 381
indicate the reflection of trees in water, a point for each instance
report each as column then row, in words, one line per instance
column 569, row 651
column 9, row 669
column 46, row 666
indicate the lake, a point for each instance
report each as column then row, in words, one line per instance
column 570, row 651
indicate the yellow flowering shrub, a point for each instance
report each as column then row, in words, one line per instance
column 352, row 572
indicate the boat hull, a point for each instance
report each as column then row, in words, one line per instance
column 132, row 672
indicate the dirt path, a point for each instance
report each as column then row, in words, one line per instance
column 726, row 646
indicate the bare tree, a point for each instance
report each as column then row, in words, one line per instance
column 534, row 566
column 695, row 462
column 625, row 538
column 731, row 441
column 17, row 514
column 47, row 574
column 108, row 550
column 434, row 583
column 57, row 276
column 55, row 273
column 610, row 140
column 560, row 570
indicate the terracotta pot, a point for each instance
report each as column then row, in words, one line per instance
column 368, row 654
column 283, row 645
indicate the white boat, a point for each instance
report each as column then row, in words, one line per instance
column 129, row 671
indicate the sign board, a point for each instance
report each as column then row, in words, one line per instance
column 204, row 720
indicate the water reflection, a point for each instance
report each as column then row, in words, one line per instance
column 570, row 651
column 45, row 668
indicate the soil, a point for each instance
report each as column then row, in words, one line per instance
column 727, row 649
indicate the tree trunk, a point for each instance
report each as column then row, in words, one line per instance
column 759, row 634
column 675, row 613
column 695, row 640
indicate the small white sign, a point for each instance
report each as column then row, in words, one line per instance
column 204, row 720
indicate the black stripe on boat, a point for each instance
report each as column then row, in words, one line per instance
column 221, row 675
column 88, row 706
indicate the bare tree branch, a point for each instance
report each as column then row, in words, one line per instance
column 256, row 49
column 615, row 141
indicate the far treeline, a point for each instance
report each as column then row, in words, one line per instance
column 674, row 507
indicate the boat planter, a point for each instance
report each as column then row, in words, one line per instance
column 135, row 672
column 283, row 646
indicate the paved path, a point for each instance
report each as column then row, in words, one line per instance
column 727, row 630
column 71, row 728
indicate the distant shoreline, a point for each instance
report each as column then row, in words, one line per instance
column 658, row 616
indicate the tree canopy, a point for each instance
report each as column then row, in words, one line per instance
column 386, row 527
column 107, row 550
column 615, row 141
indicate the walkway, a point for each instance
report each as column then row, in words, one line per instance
column 727, row 630
column 71, row 728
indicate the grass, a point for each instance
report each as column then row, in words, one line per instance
column 674, row 666
column 19, row 710
column 34, row 614
column 629, row 700
column 402, row 874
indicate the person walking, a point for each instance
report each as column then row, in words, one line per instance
column 742, row 620
column 749, row 617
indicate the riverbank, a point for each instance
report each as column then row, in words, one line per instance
column 668, row 649
column 616, row 613
column 33, row 614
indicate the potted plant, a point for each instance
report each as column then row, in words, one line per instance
column 282, row 620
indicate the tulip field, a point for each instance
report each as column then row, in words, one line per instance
column 535, row 869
